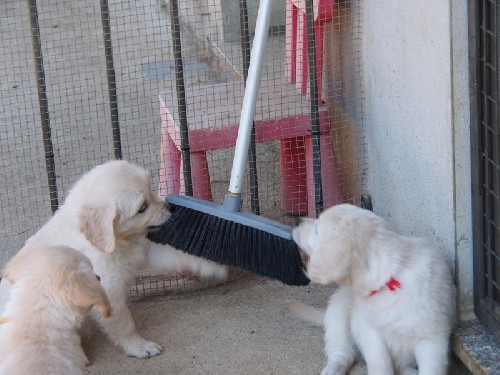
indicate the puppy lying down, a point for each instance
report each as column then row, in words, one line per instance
column 106, row 216
column 395, row 303
column 52, row 289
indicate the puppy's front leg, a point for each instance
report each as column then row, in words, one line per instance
column 120, row 327
column 432, row 357
column 164, row 258
column 372, row 346
column 339, row 345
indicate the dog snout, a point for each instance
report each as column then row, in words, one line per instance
column 166, row 206
column 298, row 221
column 165, row 212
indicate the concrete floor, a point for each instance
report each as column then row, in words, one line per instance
column 242, row 326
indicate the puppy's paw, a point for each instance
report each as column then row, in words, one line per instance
column 408, row 371
column 329, row 370
column 142, row 348
column 211, row 270
column 337, row 367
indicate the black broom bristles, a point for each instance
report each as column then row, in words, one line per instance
column 232, row 244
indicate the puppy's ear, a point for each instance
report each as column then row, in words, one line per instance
column 331, row 262
column 84, row 290
column 97, row 225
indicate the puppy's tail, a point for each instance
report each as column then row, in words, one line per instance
column 307, row 313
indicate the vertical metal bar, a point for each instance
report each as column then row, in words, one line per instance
column 43, row 104
column 482, row 125
column 475, row 42
column 313, row 88
column 111, row 77
column 494, row 214
column 482, row 55
column 488, row 83
column 480, row 130
column 181, row 96
column 252, row 152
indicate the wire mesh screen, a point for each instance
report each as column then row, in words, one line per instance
column 486, row 133
column 86, row 81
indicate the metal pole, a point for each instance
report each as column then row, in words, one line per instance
column 313, row 88
column 43, row 104
column 111, row 77
column 181, row 97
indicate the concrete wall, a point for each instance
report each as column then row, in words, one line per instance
column 416, row 109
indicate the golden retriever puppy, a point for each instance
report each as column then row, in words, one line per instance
column 52, row 289
column 395, row 303
column 106, row 216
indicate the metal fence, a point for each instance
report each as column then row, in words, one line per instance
column 486, row 161
column 82, row 82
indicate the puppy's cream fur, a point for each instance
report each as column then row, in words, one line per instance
column 395, row 330
column 52, row 288
column 106, row 216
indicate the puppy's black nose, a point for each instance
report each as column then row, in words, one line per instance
column 298, row 220
column 98, row 277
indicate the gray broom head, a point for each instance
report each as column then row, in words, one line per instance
column 232, row 238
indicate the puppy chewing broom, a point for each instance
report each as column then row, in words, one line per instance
column 223, row 234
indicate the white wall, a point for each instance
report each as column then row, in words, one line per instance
column 416, row 111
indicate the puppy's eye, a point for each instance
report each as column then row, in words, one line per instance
column 98, row 277
column 143, row 208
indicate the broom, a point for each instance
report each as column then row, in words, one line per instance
column 221, row 233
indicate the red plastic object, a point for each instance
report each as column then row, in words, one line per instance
column 293, row 133
column 296, row 41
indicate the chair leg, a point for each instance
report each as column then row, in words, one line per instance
column 201, row 177
column 301, row 78
column 330, row 173
column 291, row 41
column 293, row 176
column 170, row 164
column 330, row 182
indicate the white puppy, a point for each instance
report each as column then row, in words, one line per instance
column 106, row 216
column 395, row 302
column 52, row 289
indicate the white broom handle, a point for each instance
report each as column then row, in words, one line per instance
column 250, row 97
